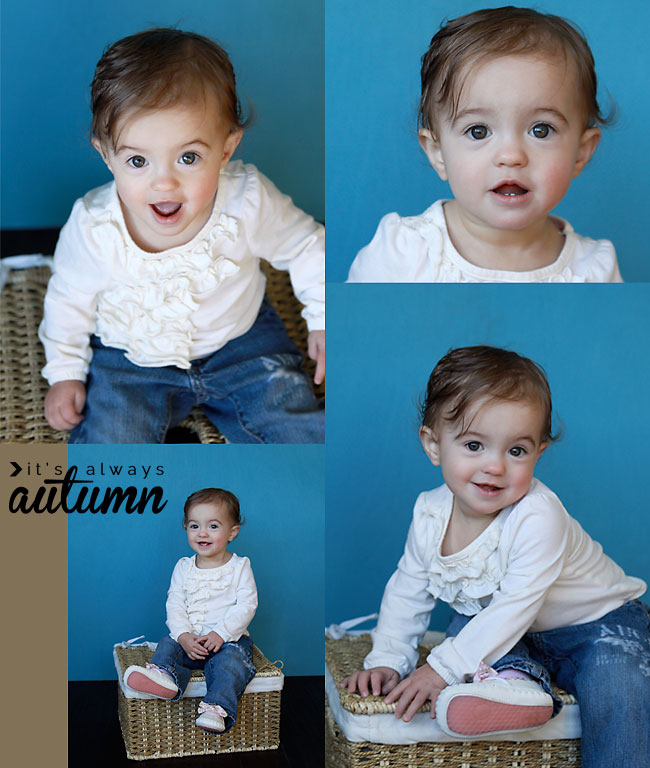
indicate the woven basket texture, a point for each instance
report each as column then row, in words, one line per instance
column 154, row 728
column 346, row 655
column 23, row 389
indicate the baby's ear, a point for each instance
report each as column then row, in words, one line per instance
column 588, row 143
column 231, row 144
column 98, row 146
column 431, row 147
column 430, row 445
column 234, row 531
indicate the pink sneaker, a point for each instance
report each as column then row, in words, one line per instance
column 492, row 706
column 151, row 680
column 211, row 717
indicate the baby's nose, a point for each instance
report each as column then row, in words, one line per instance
column 164, row 180
column 510, row 152
column 494, row 465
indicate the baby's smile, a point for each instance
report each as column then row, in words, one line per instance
column 166, row 212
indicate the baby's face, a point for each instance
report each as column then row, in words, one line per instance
column 166, row 166
column 489, row 465
column 210, row 529
column 518, row 139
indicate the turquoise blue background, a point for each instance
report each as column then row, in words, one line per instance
column 592, row 341
column 49, row 53
column 119, row 565
column 374, row 164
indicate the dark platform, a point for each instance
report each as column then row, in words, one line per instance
column 94, row 734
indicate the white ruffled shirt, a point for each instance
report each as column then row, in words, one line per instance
column 532, row 569
column 222, row 599
column 170, row 307
column 418, row 249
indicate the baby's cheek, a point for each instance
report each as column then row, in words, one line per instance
column 557, row 180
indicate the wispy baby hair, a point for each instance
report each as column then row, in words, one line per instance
column 468, row 374
column 462, row 43
column 158, row 68
column 214, row 496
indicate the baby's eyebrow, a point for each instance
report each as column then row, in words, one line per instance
column 193, row 142
column 552, row 111
column 487, row 112
column 478, row 111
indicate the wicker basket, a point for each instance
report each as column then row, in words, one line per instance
column 154, row 728
column 23, row 389
column 344, row 656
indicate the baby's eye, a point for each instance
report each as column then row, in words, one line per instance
column 541, row 130
column 473, row 446
column 214, row 526
column 137, row 161
column 517, row 451
column 478, row 132
column 193, row 526
column 189, row 158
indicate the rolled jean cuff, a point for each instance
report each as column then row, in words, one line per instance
column 536, row 671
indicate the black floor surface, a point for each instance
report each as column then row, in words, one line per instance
column 94, row 736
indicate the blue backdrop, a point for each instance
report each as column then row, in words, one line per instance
column 119, row 565
column 374, row 163
column 49, row 53
column 593, row 343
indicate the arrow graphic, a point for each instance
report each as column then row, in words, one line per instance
column 17, row 469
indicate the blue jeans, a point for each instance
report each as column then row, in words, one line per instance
column 227, row 672
column 252, row 388
column 605, row 664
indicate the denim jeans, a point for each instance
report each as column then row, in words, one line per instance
column 227, row 672
column 252, row 388
column 605, row 664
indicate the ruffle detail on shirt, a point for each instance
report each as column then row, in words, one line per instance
column 466, row 579
column 151, row 317
column 200, row 588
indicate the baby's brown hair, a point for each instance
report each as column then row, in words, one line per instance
column 214, row 496
column 468, row 374
column 462, row 43
column 159, row 68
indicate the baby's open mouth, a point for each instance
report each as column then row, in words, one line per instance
column 510, row 190
column 166, row 209
column 488, row 487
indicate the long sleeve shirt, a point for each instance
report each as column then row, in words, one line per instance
column 532, row 569
column 222, row 599
column 173, row 306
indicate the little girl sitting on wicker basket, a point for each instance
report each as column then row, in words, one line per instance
column 156, row 303
column 211, row 601
column 535, row 597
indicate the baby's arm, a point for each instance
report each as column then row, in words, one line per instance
column 378, row 680
column 192, row 646
column 81, row 270
column 407, row 603
column 422, row 685
column 316, row 350
column 290, row 239
column 238, row 616
column 64, row 404
column 177, row 619
column 212, row 641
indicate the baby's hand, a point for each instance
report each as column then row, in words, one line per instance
column 316, row 351
column 425, row 683
column 64, row 404
column 212, row 641
column 192, row 647
column 378, row 680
